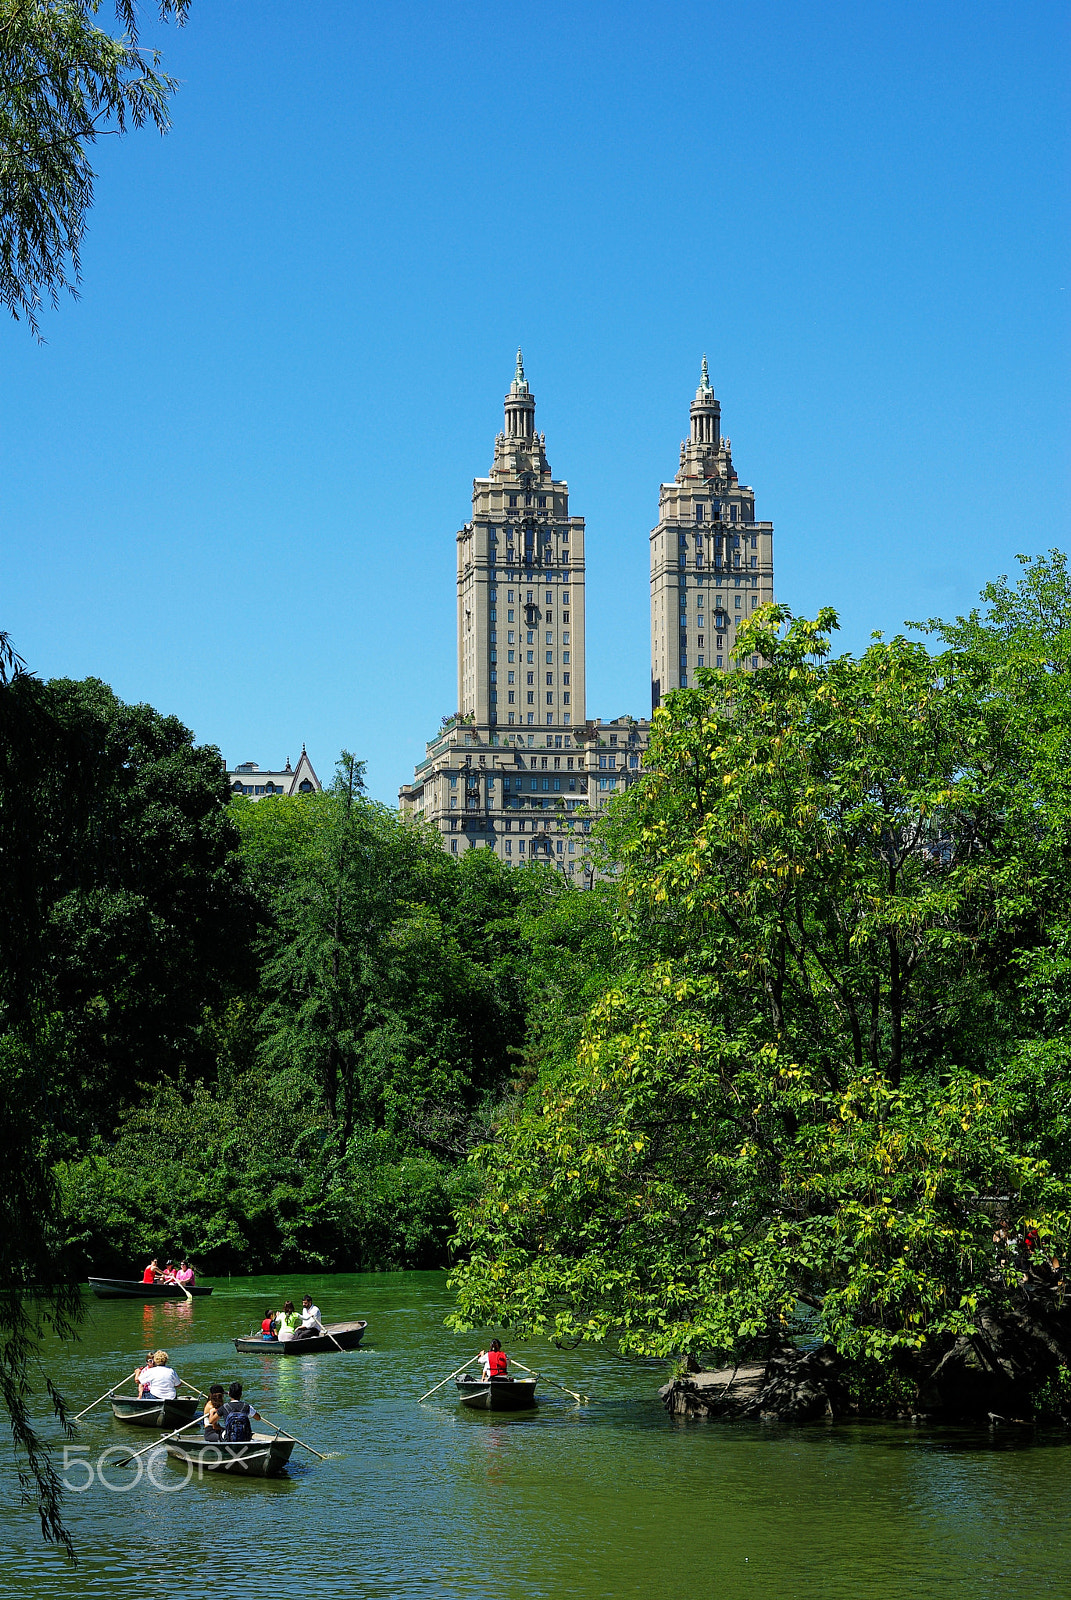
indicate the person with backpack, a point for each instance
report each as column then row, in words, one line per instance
column 238, row 1417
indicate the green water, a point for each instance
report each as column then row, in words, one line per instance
column 612, row 1499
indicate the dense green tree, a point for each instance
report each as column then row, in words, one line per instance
column 384, row 972
column 63, row 82
column 838, row 880
column 139, row 916
column 122, row 916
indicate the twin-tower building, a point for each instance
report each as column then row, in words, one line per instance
column 520, row 768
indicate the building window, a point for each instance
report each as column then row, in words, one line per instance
column 453, row 846
column 531, row 637
column 531, row 698
column 550, row 679
column 520, row 847
column 509, row 847
column 513, row 499
column 699, row 513
column 565, row 656
column 531, row 677
column 565, row 698
column 550, row 699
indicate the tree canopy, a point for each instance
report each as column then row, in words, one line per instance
column 64, row 81
column 838, row 1048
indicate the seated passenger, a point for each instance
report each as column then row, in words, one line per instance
column 159, row 1380
column 267, row 1327
column 185, row 1274
column 213, row 1413
column 287, row 1322
column 151, row 1273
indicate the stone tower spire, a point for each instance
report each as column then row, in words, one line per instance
column 706, row 412
column 520, row 407
column 521, row 563
column 711, row 562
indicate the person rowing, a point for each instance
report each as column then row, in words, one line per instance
column 494, row 1361
column 311, row 1326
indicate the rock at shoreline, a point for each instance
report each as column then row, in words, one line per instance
column 992, row 1375
column 793, row 1386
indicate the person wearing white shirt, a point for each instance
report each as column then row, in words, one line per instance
column 311, row 1326
column 159, row 1380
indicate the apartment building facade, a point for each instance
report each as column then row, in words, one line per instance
column 520, row 768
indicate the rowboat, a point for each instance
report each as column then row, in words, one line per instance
column 348, row 1335
column 263, row 1456
column 134, row 1289
column 145, row 1412
column 497, row 1394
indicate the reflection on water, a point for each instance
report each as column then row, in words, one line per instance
column 607, row 1500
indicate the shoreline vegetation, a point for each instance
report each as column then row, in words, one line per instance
column 794, row 1073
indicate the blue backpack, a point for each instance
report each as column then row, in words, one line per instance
column 237, row 1428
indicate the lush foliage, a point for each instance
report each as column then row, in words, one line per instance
column 63, row 81
column 838, row 1050
column 375, row 1003
column 781, row 1072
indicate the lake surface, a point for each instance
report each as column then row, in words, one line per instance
column 612, row 1499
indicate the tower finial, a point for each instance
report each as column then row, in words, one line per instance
column 519, row 374
column 704, row 374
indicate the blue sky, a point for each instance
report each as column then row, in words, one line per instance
column 231, row 479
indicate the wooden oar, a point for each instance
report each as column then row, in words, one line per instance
column 196, row 1423
column 293, row 1436
column 332, row 1338
column 445, row 1381
column 105, row 1395
column 581, row 1399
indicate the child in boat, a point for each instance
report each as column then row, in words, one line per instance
column 494, row 1361
column 213, row 1413
column 267, row 1327
column 159, row 1380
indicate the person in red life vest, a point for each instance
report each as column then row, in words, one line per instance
column 267, row 1327
column 494, row 1361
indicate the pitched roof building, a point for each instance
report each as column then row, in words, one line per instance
column 249, row 779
